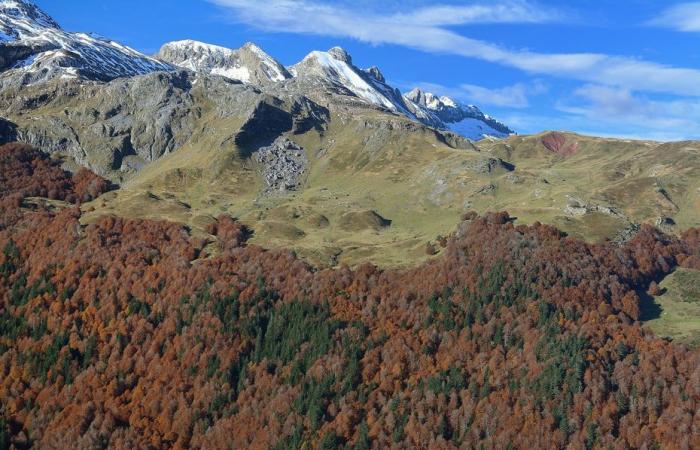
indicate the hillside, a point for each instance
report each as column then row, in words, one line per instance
column 422, row 185
column 206, row 248
column 324, row 157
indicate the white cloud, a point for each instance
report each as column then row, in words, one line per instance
column 427, row 29
column 680, row 17
column 620, row 106
column 515, row 96
column 514, row 11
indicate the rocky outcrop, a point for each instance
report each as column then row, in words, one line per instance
column 284, row 164
column 576, row 207
column 489, row 166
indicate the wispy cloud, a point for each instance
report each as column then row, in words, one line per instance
column 515, row 96
column 620, row 106
column 680, row 17
column 514, row 11
column 427, row 29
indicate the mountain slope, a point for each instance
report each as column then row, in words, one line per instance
column 34, row 48
column 249, row 64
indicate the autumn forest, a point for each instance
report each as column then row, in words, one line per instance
column 136, row 334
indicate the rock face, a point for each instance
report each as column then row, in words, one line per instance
column 284, row 164
column 126, row 123
column 35, row 48
column 248, row 64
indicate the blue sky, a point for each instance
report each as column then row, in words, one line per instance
column 612, row 68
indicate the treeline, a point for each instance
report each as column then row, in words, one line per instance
column 27, row 172
column 128, row 334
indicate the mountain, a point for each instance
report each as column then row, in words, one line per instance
column 305, row 257
column 335, row 67
column 333, row 71
column 249, row 64
column 34, row 48
column 467, row 120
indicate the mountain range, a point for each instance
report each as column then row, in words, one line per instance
column 35, row 49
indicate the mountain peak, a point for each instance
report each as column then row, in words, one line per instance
column 254, row 48
column 427, row 100
column 340, row 54
column 22, row 18
column 248, row 64
column 46, row 51
column 415, row 95
column 27, row 10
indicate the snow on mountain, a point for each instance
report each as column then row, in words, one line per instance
column 248, row 64
column 22, row 19
column 35, row 48
column 335, row 67
column 467, row 120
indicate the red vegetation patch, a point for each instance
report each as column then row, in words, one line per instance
column 31, row 173
column 559, row 144
column 121, row 332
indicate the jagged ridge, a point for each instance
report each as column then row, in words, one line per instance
column 34, row 48
column 249, row 64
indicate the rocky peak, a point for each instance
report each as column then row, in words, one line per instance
column 248, row 64
column 340, row 54
column 34, row 49
column 429, row 100
column 375, row 73
column 22, row 18
column 467, row 120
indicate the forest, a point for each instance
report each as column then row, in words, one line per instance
column 135, row 334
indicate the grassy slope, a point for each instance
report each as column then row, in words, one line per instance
column 414, row 180
column 676, row 313
column 644, row 180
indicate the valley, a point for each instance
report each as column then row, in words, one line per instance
column 206, row 248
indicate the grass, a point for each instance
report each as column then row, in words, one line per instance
column 412, row 179
column 676, row 313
